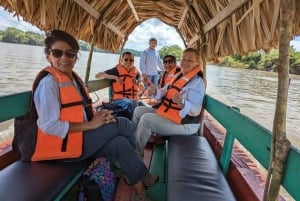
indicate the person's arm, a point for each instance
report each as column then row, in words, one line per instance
column 143, row 62
column 160, row 64
column 46, row 99
column 193, row 94
column 111, row 74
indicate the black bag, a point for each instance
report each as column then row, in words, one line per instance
column 25, row 134
column 89, row 190
column 117, row 110
column 26, row 127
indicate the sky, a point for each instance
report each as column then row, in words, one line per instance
column 137, row 40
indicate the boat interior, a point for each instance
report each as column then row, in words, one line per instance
column 217, row 163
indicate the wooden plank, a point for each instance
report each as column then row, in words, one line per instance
column 227, row 11
column 113, row 28
column 93, row 12
column 88, row 8
column 183, row 16
column 133, row 10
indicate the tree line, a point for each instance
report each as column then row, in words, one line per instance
column 260, row 60
column 14, row 35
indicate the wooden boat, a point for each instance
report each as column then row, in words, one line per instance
column 217, row 28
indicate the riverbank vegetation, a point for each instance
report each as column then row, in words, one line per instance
column 254, row 60
column 263, row 61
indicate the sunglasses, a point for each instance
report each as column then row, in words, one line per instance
column 58, row 53
column 126, row 59
column 168, row 61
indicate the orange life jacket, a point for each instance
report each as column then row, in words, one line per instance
column 50, row 147
column 127, row 89
column 168, row 108
column 167, row 77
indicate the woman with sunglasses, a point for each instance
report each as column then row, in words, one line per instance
column 180, row 106
column 126, row 83
column 68, row 129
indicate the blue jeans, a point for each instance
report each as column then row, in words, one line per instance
column 153, row 79
column 126, row 104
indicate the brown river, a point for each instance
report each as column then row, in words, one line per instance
column 254, row 92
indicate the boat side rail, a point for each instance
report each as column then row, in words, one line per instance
column 255, row 138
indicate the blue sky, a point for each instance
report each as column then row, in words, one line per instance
column 137, row 40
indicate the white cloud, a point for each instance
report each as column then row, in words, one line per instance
column 165, row 35
column 9, row 20
column 295, row 44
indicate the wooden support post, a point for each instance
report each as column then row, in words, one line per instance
column 280, row 144
column 89, row 63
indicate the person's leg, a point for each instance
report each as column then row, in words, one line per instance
column 95, row 139
column 138, row 112
column 152, row 122
column 136, row 172
column 155, row 79
column 120, row 149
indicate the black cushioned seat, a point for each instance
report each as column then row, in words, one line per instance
column 193, row 172
column 36, row 181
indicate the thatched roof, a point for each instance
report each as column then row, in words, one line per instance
column 220, row 27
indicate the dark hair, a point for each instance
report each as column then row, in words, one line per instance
column 59, row 35
column 170, row 56
column 128, row 53
column 152, row 39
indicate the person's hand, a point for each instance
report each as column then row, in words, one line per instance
column 151, row 90
column 118, row 80
column 134, row 81
column 178, row 98
column 146, row 81
column 141, row 86
column 102, row 117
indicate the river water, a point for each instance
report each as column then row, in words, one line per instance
column 254, row 92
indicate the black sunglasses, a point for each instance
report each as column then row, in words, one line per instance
column 57, row 53
column 168, row 61
column 126, row 59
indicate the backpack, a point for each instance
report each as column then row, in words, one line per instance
column 25, row 127
column 98, row 182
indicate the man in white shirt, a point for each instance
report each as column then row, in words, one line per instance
column 150, row 61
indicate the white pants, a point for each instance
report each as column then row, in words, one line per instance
column 146, row 121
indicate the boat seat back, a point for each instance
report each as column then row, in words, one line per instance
column 30, row 181
column 193, row 171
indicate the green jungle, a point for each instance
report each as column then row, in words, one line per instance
column 258, row 60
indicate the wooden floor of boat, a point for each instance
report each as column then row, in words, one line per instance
column 124, row 191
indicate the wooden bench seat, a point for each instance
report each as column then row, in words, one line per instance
column 193, row 172
column 38, row 181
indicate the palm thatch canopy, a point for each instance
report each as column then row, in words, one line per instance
column 218, row 27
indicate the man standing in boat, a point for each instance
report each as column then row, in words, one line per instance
column 150, row 62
